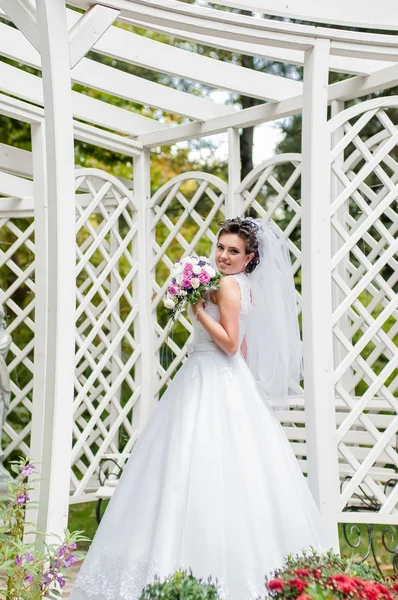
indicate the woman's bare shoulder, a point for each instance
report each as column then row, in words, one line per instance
column 228, row 286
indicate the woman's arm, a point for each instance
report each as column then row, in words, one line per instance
column 225, row 333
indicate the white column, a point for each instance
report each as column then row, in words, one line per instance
column 60, row 333
column 145, row 331
column 233, row 202
column 317, row 295
column 41, row 300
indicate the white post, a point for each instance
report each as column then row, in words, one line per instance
column 41, row 300
column 317, row 307
column 338, row 295
column 57, row 419
column 145, row 332
column 233, row 202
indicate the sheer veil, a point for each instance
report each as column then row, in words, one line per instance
column 272, row 333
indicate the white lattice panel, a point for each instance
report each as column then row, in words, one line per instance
column 364, row 220
column 186, row 213
column 17, row 281
column 106, row 351
column 273, row 191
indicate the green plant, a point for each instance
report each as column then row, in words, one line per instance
column 30, row 570
column 180, row 586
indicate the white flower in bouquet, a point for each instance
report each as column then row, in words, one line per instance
column 209, row 269
column 169, row 303
column 195, row 283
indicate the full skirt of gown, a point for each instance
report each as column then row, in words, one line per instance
column 212, row 485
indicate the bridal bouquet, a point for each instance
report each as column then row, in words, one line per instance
column 190, row 278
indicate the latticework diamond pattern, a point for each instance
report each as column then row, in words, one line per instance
column 186, row 211
column 364, row 219
column 106, row 352
column 17, row 273
column 273, row 191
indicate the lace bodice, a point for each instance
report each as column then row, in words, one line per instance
column 201, row 338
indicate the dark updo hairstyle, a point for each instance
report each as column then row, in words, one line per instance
column 247, row 230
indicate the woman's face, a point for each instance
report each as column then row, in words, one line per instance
column 231, row 255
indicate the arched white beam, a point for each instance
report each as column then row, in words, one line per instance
column 115, row 82
column 354, row 66
column 153, row 16
column 151, row 54
column 172, row 13
column 24, row 85
column 384, row 15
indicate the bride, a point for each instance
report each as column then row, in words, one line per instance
column 212, row 484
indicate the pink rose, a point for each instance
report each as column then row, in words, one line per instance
column 204, row 277
column 186, row 282
column 188, row 267
column 173, row 290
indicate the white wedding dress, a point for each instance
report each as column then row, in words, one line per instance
column 212, row 485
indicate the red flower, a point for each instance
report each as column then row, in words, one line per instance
column 302, row 573
column 299, row 584
column 343, row 584
column 317, row 574
column 275, row 585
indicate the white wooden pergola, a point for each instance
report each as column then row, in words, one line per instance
column 85, row 308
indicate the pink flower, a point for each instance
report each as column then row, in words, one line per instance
column 188, row 267
column 173, row 290
column 28, row 578
column 186, row 282
column 204, row 277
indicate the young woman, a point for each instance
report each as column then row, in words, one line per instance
column 212, row 484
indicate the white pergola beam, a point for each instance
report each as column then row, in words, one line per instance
column 28, row 113
column 336, row 12
column 16, row 161
column 157, row 56
column 88, row 29
column 24, row 85
column 201, row 20
column 118, row 83
column 350, row 66
column 22, row 13
column 136, row 89
column 355, row 87
column 361, row 86
column 16, row 187
column 282, row 34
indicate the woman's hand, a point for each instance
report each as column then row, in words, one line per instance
column 199, row 305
